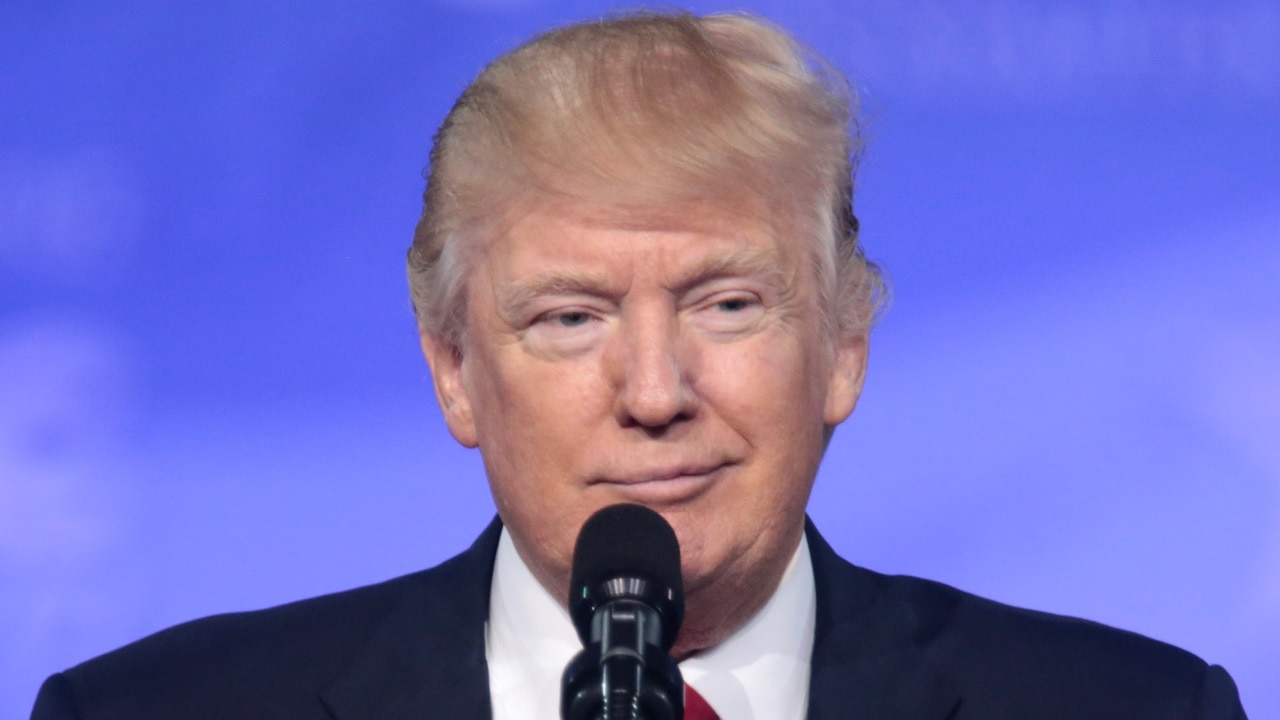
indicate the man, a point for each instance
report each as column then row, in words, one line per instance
column 638, row 279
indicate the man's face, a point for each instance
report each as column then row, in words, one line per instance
column 681, row 366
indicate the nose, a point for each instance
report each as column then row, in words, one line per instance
column 651, row 373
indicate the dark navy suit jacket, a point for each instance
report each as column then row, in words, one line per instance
column 413, row 648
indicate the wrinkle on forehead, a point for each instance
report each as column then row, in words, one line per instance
column 625, row 207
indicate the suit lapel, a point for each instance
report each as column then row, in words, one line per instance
column 868, row 659
column 427, row 657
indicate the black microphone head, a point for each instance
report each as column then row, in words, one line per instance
column 627, row 551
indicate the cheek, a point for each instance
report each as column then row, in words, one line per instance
column 531, row 414
column 533, row 423
column 768, row 396
column 768, row 382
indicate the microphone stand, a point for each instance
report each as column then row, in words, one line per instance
column 623, row 673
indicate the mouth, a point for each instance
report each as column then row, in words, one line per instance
column 662, row 485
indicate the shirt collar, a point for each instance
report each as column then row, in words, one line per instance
column 761, row 671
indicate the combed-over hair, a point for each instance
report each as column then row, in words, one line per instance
column 638, row 114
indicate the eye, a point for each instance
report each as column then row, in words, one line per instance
column 568, row 318
column 565, row 331
column 730, row 312
column 733, row 305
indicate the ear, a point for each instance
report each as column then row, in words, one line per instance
column 848, row 371
column 445, row 360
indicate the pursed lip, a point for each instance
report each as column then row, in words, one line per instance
column 661, row 474
column 671, row 483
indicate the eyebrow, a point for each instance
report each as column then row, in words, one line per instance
column 743, row 262
column 516, row 296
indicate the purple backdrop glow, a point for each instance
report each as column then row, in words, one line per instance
column 211, row 397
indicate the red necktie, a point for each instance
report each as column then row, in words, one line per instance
column 695, row 708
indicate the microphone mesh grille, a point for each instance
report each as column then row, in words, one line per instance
column 625, row 540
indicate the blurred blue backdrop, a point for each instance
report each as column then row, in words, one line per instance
column 211, row 397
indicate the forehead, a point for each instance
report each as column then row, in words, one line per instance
column 575, row 233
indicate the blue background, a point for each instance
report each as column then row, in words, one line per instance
column 211, row 396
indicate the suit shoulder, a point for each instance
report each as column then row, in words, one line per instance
column 273, row 661
column 1006, row 658
column 317, row 621
column 958, row 620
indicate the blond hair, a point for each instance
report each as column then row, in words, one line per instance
column 640, row 113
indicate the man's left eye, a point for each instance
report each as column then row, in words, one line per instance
column 730, row 313
column 570, row 319
column 733, row 305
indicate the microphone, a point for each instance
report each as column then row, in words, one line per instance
column 626, row 599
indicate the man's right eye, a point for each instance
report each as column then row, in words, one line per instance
column 566, row 332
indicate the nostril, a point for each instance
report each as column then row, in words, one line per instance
column 655, row 428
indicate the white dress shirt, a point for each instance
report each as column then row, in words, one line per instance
column 761, row 672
